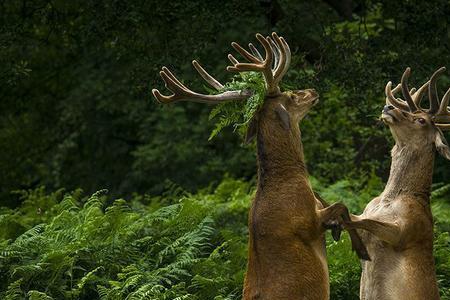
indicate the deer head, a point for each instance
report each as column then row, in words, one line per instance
column 413, row 125
column 286, row 107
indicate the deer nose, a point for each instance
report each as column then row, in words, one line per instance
column 387, row 108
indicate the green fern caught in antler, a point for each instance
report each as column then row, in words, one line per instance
column 239, row 113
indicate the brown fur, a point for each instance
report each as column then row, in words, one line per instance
column 398, row 225
column 287, row 256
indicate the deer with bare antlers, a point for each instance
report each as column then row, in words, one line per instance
column 286, row 258
column 397, row 226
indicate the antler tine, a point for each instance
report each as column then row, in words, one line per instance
column 285, row 55
column 257, row 65
column 172, row 78
column 391, row 98
column 160, row 98
column 267, row 69
column 432, row 91
column 443, row 115
column 274, row 65
column 208, row 78
column 393, row 92
column 397, row 89
column 287, row 52
column 405, row 90
column 418, row 94
column 245, row 53
column 444, row 104
column 182, row 93
column 233, row 60
column 172, row 84
column 443, row 127
column 255, row 51
column 276, row 52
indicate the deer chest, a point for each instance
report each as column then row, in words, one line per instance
column 267, row 219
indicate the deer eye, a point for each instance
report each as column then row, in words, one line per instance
column 421, row 120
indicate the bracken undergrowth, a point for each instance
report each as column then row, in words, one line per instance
column 175, row 246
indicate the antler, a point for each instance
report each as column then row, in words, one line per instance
column 274, row 65
column 441, row 113
column 432, row 91
column 390, row 98
column 418, row 94
column 182, row 93
column 408, row 104
column 438, row 109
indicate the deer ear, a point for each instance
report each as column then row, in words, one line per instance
column 441, row 145
column 251, row 130
column 284, row 116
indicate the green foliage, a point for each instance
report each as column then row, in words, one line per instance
column 191, row 249
column 239, row 113
column 75, row 111
column 175, row 246
column 441, row 213
column 36, row 207
column 76, row 108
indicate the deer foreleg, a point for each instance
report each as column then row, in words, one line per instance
column 339, row 210
column 332, row 212
column 334, row 225
column 385, row 231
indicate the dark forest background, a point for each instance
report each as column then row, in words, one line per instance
column 76, row 108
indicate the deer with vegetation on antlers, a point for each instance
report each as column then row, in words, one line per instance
column 286, row 258
column 398, row 225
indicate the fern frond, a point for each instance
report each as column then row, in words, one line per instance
column 36, row 295
column 14, row 291
column 239, row 113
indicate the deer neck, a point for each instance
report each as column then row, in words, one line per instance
column 411, row 172
column 280, row 151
